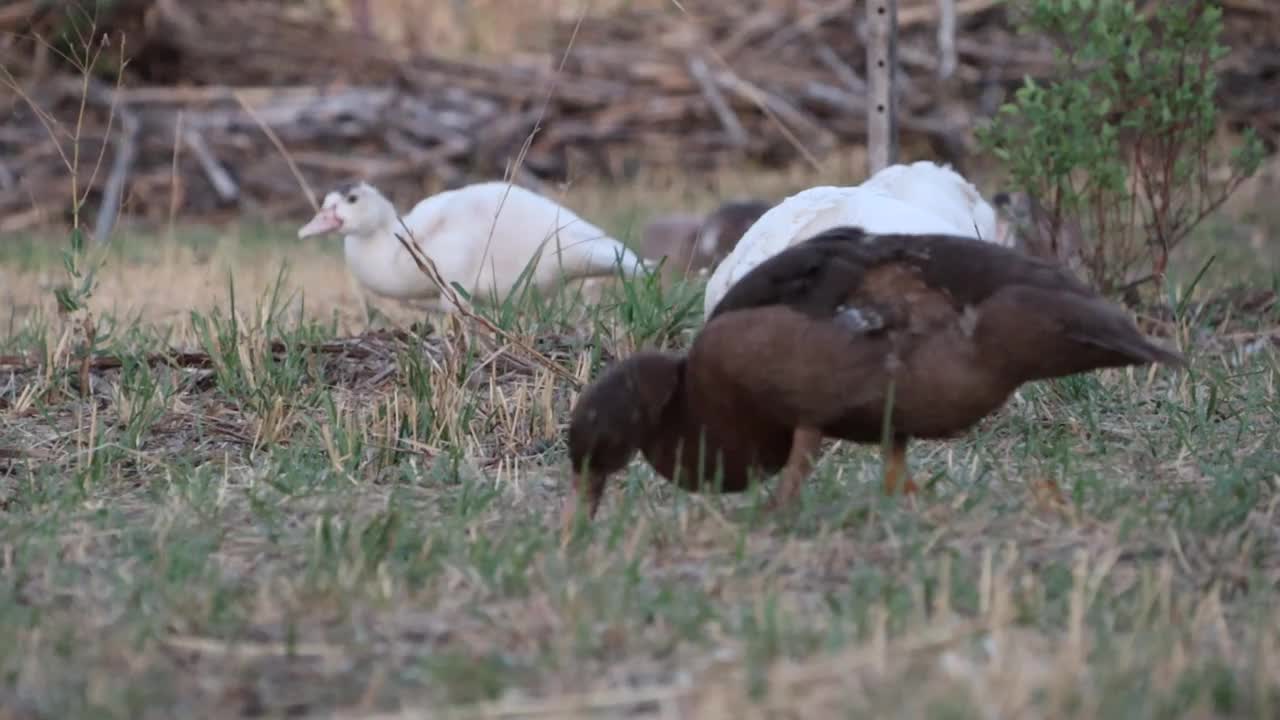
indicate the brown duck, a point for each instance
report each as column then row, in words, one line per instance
column 821, row 338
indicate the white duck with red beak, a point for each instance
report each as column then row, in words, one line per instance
column 481, row 236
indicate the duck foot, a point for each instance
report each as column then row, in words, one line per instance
column 895, row 469
column 1048, row 495
column 805, row 443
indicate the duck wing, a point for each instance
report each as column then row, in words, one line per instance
column 817, row 209
column 847, row 268
column 809, row 336
column 892, row 292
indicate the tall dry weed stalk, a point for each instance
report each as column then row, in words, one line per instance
column 84, row 52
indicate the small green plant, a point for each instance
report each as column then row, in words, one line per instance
column 1121, row 141
column 80, row 47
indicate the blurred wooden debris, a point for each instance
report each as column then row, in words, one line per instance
column 770, row 81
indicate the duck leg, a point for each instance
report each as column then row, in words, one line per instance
column 805, row 443
column 590, row 486
column 895, row 468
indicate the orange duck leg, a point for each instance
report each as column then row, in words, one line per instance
column 895, row 469
column 805, row 443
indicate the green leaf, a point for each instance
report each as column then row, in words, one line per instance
column 65, row 302
column 1124, row 87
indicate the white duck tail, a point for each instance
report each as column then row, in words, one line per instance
column 942, row 191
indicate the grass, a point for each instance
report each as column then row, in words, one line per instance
column 365, row 526
column 319, row 512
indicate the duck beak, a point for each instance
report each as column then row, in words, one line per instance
column 326, row 220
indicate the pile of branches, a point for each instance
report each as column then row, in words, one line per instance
column 224, row 107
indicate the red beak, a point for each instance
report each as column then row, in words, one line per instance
column 326, row 220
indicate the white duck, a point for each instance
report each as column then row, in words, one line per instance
column 922, row 197
column 481, row 236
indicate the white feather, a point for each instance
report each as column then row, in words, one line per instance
column 458, row 231
column 709, row 239
column 921, row 198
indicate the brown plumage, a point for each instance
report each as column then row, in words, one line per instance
column 672, row 237
column 814, row 342
column 691, row 244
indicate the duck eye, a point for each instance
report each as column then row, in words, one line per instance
column 352, row 198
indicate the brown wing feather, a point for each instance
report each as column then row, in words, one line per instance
column 813, row 277
column 845, row 266
column 973, row 270
column 911, row 304
column 780, row 365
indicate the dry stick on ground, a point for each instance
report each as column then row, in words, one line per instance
column 732, row 126
column 354, row 347
column 753, row 95
column 222, row 182
column 428, row 267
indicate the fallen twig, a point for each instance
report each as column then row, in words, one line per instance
column 353, row 347
column 428, row 267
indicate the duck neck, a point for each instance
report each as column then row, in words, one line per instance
column 383, row 223
column 680, row 428
column 690, row 448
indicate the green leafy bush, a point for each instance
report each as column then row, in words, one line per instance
column 1121, row 140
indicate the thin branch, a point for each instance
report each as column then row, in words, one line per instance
column 111, row 100
column 732, row 126
column 275, row 140
column 428, row 267
column 759, row 102
column 46, row 120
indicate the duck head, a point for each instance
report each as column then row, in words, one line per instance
column 356, row 209
column 671, row 237
column 1013, row 215
column 618, row 414
column 724, row 227
column 1024, row 224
